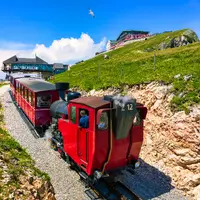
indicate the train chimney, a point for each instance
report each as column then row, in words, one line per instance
column 125, row 111
column 123, row 114
column 62, row 87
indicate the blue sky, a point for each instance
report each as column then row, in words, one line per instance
column 27, row 23
column 45, row 20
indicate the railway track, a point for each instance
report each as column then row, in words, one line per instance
column 104, row 189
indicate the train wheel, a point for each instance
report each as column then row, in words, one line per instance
column 65, row 157
column 53, row 146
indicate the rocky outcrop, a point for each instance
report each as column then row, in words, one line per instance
column 26, row 186
column 185, row 38
column 172, row 141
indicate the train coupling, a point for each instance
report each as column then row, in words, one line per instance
column 98, row 174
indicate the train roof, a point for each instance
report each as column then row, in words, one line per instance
column 37, row 85
column 93, row 102
column 22, row 75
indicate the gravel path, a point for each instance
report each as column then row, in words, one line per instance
column 148, row 182
column 65, row 181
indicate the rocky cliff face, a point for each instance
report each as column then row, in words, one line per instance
column 171, row 141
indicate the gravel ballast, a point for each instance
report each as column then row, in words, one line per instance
column 148, row 182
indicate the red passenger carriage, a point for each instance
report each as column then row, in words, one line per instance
column 35, row 97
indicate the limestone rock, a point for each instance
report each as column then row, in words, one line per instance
column 196, row 192
column 181, row 152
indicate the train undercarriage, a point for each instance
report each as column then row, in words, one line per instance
column 107, row 187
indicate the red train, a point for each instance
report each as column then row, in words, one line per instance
column 112, row 138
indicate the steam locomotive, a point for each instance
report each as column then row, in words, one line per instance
column 112, row 140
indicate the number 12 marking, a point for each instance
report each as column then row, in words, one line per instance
column 130, row 106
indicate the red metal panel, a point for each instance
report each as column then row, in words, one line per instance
column 42, row 117
column 69, row 133
column 137, row 140
column 101, row 148
column 79, row 144
column 82, row 144
column 119, row 153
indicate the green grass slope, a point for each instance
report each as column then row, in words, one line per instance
column 17, row 162
column 134, row 64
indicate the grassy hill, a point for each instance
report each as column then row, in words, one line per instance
column 15, row 165
column 134, row 64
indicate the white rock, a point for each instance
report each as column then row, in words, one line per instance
column 181, row 152
column 177, row 76
column 196, row 192
column 92, row 92
column 187, row 77
column 156, row 105
column 196, row 179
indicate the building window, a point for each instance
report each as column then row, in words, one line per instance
column 103, row 125
column 73, row 114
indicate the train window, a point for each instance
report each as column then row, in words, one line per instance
column 33, row 99
column 21, row 88
column 22, row 91
column 103, row 125
column 17, row 86
column 44, row 100
column 25, row 93
column 27, row 96
column 137, row 119
column 84, row 118
column 30, row 97
column 73, row 114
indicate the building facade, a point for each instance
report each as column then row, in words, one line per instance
column 125, row 36
column 110, row 44
column 16, row 64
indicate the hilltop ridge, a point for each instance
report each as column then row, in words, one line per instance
column 177, row 59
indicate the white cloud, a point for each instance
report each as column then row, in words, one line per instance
column 65, row 50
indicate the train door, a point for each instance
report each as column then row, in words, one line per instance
column 83, row 134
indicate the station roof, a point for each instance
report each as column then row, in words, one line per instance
column 132, row 32
column 37, row 85
column 93, row 102
column 16, row 59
